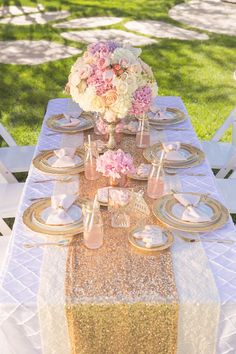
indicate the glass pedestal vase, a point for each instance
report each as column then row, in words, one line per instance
column 111, row 144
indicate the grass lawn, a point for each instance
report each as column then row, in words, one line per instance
column 200, row 72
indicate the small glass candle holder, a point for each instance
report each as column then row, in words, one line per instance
column 118, row 206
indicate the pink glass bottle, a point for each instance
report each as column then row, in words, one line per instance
column 156, row 181
column 143, row 133
column 91, row 156
column 93, row 227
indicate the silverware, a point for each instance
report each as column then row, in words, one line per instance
column 51, row 134
column 192, row 240
column 166, row 128
column 40, row 198
column 61, row 243
column 65, row 179
column 174, row 172
column 211, row 240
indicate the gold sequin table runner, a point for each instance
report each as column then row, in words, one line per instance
column 119, row 300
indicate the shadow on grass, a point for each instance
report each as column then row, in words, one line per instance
column 199, row 72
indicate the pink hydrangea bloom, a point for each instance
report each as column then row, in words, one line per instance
column 141, row 100
column 102, row 48
column 115, row 163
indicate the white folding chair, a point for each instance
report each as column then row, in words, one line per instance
column 10, row 195
column 227, row 186
column 219, row 153
column 15, row 158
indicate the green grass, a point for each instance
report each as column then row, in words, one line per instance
column 200, row 72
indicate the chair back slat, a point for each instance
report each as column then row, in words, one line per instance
column 231, row 120
column 7, row 136
column 229, row 166
column 5, row 175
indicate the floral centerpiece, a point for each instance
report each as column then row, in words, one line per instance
column 115, row 164
column 112, row 80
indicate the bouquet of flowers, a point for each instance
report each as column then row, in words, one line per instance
column 114, row 164
column 111, row 79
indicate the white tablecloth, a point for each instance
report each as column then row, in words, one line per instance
column 20, row 330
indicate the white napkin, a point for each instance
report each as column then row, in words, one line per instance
column 143, row 169
column 191, row 212
column 60, row 204
column 158, row 112
column 172, row 151
column 151, row 235
column 65, row 157
column 70, row 120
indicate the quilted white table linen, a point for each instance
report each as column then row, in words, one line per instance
column 21, row 298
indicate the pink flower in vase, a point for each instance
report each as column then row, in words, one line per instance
column 115, row 164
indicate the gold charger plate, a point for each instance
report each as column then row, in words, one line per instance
column 162, row 209
column 139, row 244
column 176, row 116
column 196, row 156
column 55, row 230
column 41, row 163
column 52, row 123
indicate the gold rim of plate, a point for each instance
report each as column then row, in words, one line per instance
column 220, row 219
column 197, row 156
column 128, row 132
column 178, row 117
column 51, row 124
column 66, row 231
column 211, row 203
column 134, row 242
column 40, row 162
column 138, row 177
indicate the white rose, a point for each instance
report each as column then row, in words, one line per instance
column 121, row 85
column 86, row 99
column 121, row 54
column 121, row 106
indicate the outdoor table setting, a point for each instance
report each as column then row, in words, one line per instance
column 122, row 243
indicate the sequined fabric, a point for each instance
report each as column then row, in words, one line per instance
column 118, row 299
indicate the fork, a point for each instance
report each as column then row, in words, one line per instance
column 192, row 240
column 65, row 179
column 61, row 243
